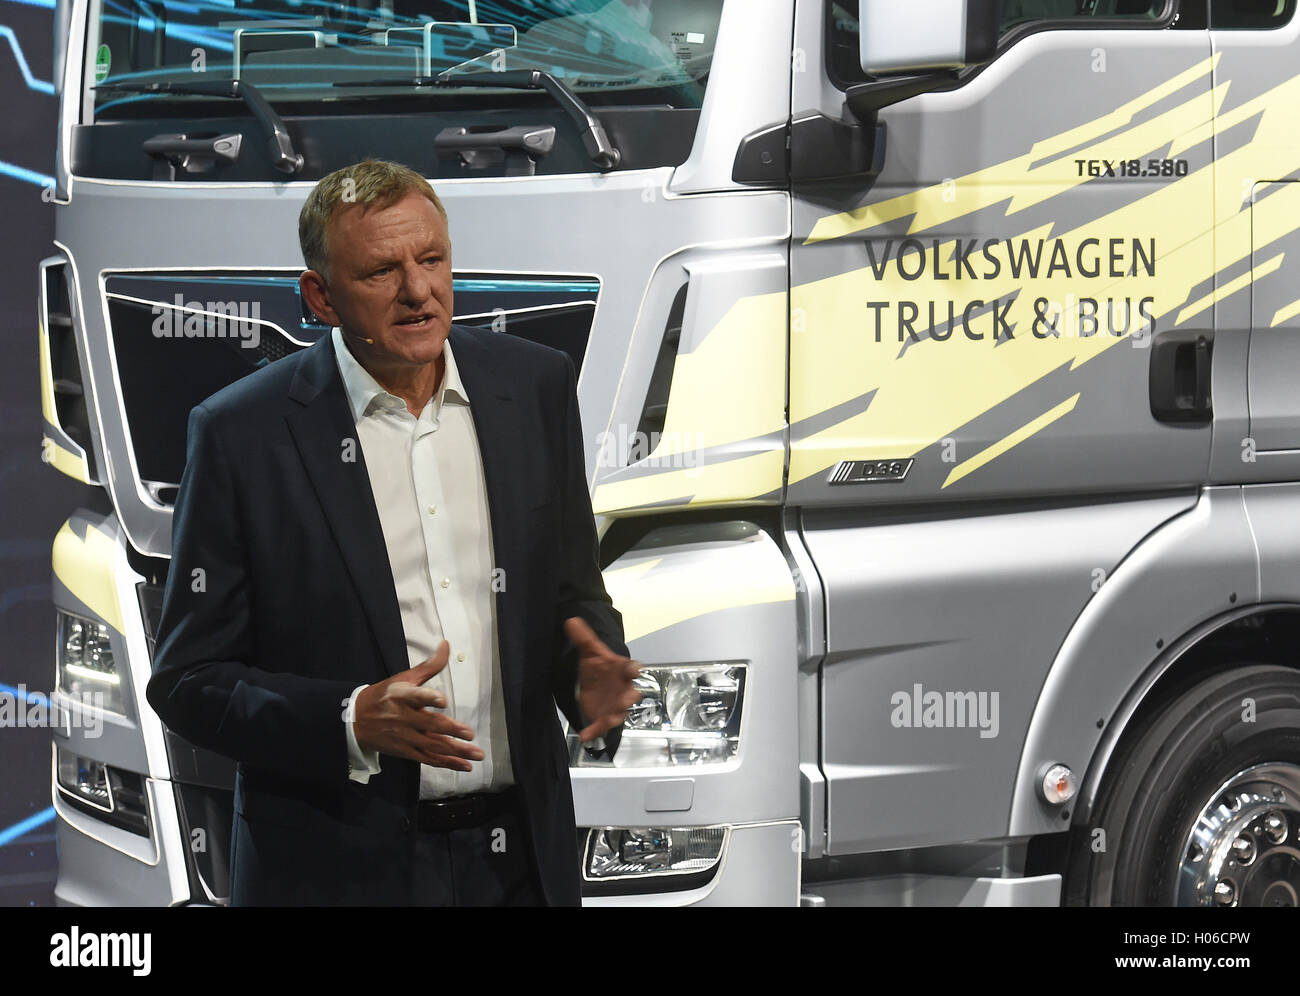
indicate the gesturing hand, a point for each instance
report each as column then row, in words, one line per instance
column 391, row 717
column 605, row 689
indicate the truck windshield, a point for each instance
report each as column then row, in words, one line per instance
column 329, row 55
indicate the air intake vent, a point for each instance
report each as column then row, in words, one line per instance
column 179, row 337
column 655, row 410
column 69, row 426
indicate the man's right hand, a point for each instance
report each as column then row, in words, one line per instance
column 392, row 717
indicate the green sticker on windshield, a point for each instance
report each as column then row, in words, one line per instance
column 103, row 59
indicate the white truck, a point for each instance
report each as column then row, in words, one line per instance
column 937, row 369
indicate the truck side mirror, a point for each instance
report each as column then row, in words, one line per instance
column 901, row 36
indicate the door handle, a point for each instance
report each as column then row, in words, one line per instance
column 193, row 155
column 1180, row 376
column 520, row 147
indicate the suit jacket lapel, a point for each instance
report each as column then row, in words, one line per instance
column 326, row 436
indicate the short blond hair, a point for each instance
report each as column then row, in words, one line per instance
column 370, row 183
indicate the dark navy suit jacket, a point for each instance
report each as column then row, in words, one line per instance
column 280, row 600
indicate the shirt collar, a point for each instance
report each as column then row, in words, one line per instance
column 363, row 390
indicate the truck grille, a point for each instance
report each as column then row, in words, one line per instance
column 179, row 338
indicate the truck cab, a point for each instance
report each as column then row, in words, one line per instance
column 934, row 369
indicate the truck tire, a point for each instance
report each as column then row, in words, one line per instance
column 1202, row 806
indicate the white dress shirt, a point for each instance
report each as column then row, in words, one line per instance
column 428, row 483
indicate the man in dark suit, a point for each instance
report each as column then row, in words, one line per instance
column 384, row 579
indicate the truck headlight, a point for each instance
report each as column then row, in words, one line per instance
column 640, row 852
column 86, row 669
column 701, row 698
column 688, row 714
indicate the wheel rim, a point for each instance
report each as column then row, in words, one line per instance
column 1244, row 848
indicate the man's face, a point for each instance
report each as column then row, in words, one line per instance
column 389, row 280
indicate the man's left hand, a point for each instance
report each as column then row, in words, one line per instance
column 605, row 678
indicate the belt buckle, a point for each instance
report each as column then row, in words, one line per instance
column 468, row 810
column 450, row 813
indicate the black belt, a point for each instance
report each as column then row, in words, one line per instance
column 463, row 810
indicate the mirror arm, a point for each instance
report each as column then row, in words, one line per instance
column 864, row 100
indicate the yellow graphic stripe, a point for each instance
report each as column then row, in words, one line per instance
column 728, row 482
column 730, row 389
column 48, row 408
column 939, row 204
column 1181, row 123
column 1226, row 290
column 1286, row 314
column 650, row 600
column 85, row 567
column 58, row 457
column 1010, row 440
column 64, row 460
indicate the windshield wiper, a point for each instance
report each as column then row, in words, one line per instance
column 283, row 155
column 599, row 148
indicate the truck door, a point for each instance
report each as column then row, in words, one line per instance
column 1002, row 305
column 976, row 320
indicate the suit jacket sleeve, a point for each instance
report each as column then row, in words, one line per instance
column 581, row 586
column 205, row 685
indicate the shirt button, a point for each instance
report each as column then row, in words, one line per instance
column 433, row 509
column 446, row 581
column 460, row 657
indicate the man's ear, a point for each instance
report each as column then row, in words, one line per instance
column 315, row 294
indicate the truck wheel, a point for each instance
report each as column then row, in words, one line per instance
column 1202, row 807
